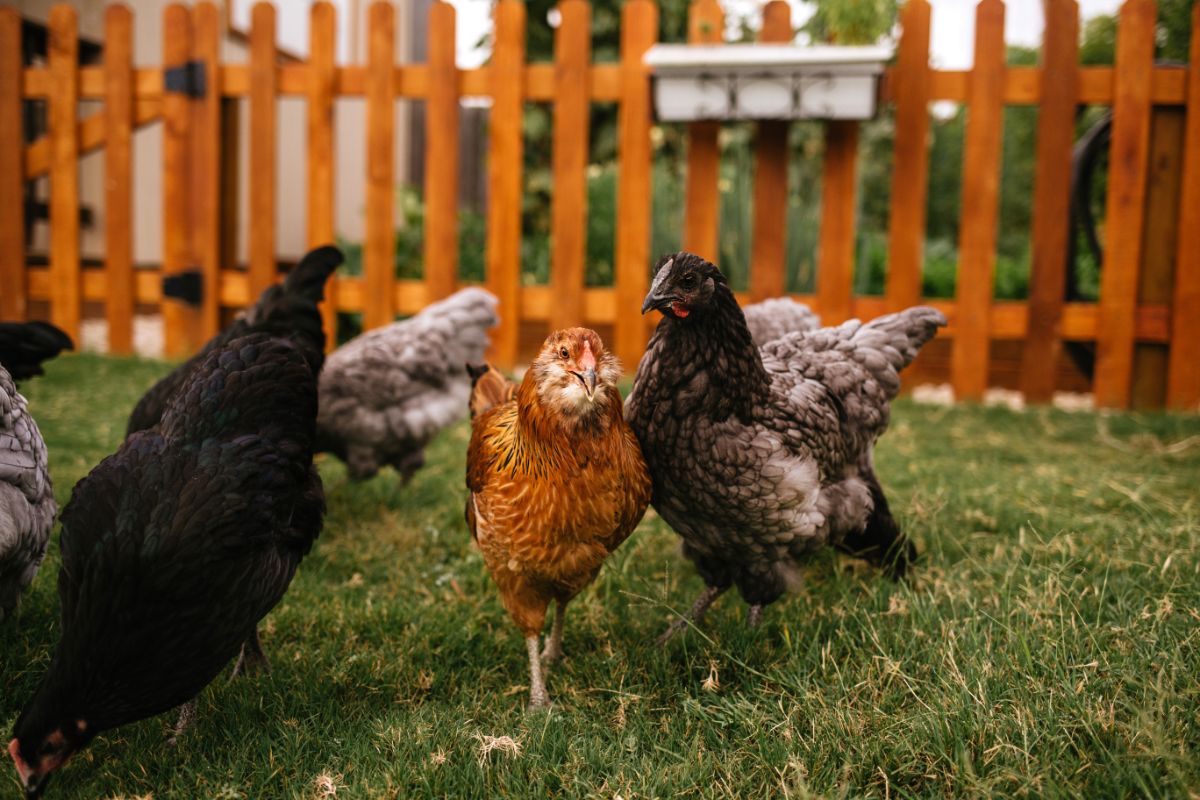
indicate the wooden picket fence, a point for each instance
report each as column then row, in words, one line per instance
column 1147, row 315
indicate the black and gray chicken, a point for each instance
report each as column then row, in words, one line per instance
column 27, row 506
column 772, row 319
column 761, row 455
column 174, row 547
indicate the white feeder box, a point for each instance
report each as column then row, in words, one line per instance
column 763, row 81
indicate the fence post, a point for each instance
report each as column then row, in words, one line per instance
column 263, row 148
column 13, row 279
column 839, row 203
column 910, row 158
column 706, row 25
column 441, row 156
column 1125, row 203
column 321, row 73
column 118, row 202
column 505, row 153
column 572, row 116
column 1052, row 200
column 206, row 168
column 66, row 284
column 1183, row 369
column 769, row 246
column 981, row 190
column 177, row 48
column 379, row 257
column 639, row 31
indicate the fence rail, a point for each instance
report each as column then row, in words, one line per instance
column 1141, row 335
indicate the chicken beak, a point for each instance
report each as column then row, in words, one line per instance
column 660, row 294
column 36, row 786
column 589, row 380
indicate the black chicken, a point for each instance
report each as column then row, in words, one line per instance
column 761, row 454
column 25, row 345
column 177, row 545
column 285, row 309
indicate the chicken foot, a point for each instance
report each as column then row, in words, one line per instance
column 695, row 615
column 554, row 651
column 538, row 699
column 754, row 616
column 252, row 658
column 187, row 716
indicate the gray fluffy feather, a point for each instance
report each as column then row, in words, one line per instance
column 760, row 455
column 385, row 394
column 771, row 319
column 27, row 505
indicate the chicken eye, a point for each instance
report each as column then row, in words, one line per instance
column 564, row 353
column 688, row 281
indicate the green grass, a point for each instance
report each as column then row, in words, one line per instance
column 1046, row 644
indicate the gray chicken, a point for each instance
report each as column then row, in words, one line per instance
column 387, row 393
column 760, row 456
column 771, row 319
column 27, row 505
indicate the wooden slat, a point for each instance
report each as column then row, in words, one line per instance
column 505, row 154
column 769, row 245
column 839, row 201
column 321, row 71
column 980, row 199
column 118, row 176
column 910, row 158
column 206, row 172
column 1148, row 385
column 263, row 147
column 177, row 49
column 1052, row 201
column 639, row 31
column 706, row 25
column 90, row 133
column 66, row 303
column 1124, row 221
column 441, row 155
column 568, row 222
column 379, row 261
column 13, row 281
column 1183, row 370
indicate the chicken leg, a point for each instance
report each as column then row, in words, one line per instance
column 538, row 699
column 187, row 715
column 694, row 615
column 554, row 651
column 754, row 616
column 252, row 658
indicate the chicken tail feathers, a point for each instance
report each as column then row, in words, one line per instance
column 899, row 337
column 25, row 345
column 290, row 309
column 489, row 388
column 308, row 278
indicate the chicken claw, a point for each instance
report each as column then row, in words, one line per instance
column 694, row 616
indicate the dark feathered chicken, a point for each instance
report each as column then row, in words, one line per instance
column 176, row 546
column 25, row 345
column 286, row 309
column 760, row 456
column 26, row 497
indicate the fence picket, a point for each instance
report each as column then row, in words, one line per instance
column 639, row 31
column 505, row 153
column 13, row 279
column 177, row 49
column 839, row 198
column 1183, row 366
column 706, row 25
column 441, row 156
column 980, row 198
column 206, row 170
column 321, row 75
column 66, row 303
column 1125, row 203
column 769, row 246
column 379, row 258
column 910, row 158
column 263, row 107
column 1051, row 203
column 118, row 173
column 572, row 109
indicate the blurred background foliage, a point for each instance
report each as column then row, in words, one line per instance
column 840, row 21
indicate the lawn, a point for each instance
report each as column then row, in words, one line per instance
column 1046, row 643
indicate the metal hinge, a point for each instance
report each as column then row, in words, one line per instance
column 186, row 286
column 188, row 78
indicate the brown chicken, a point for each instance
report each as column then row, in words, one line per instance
column 557, row 482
